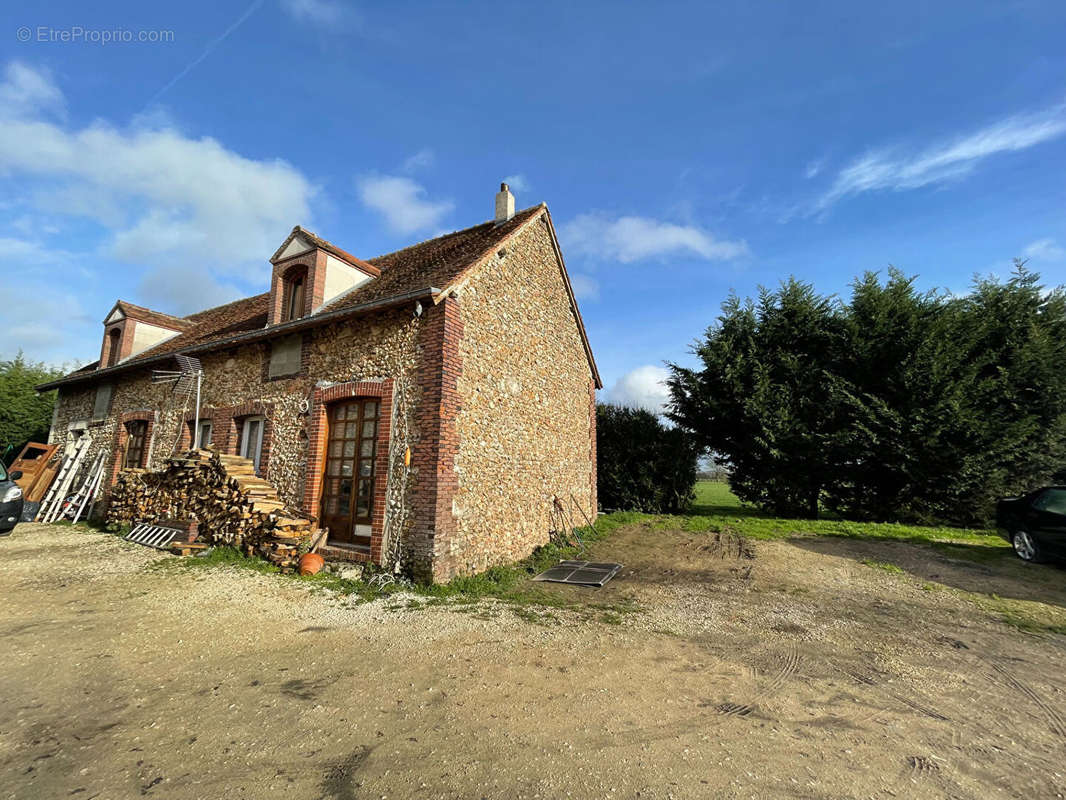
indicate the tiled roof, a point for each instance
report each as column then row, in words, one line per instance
column 152, row 317
column 437, row 262
column 434, row 263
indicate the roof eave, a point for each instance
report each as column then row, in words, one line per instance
column 248, row 336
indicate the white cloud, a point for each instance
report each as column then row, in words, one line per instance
column 29, row 92
column 324, row 13
column 402, row 202
column 47, row 336
column 186, row 291
column 645, row 387
column 629, row 239
column 165, row 199
column 585, row 286
column 21, row 253
column 518, row 183
column 813, row 168
column 882, row 170
column 1044, row 250
column 420, row 160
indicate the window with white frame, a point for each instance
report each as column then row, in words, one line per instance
column 252, row 439
column 203, row 435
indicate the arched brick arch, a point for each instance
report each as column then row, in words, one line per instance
column 311, row 266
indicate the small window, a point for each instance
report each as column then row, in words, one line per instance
column 137, row 432
column 295, row 291
column 203, row 439
column 252, row 440
column 102, row 406
column 285, row 356
column 114, row 337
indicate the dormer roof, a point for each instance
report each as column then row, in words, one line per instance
column 302, row 240
column 122, row 310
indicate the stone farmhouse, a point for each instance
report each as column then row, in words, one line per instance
column 431, row 407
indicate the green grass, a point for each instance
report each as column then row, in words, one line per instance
column 1024, row 615
column 886, row 566
column 716, row 508
column 714, row 498
column 506, row 584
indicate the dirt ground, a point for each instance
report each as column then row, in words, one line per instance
column 770, row 670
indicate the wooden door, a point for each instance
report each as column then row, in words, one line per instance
column 138, row 432
column 350, row 471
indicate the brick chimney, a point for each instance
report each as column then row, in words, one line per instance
column 504, row 204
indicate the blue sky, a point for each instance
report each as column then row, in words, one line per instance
column 685, row 150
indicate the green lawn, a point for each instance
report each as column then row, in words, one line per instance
column 716, row 506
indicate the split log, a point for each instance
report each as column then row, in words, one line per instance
column 222, row 494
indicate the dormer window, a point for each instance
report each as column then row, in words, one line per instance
column 308, row 273
column 130, row 329
column 114, row 339
column 295, row 294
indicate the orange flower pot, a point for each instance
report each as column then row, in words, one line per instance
column 311, row 563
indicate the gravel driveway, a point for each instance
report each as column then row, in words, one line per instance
column 787, row 669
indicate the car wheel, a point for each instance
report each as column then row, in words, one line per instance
column 1025, row 547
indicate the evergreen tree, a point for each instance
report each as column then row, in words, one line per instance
column 769, row 398
column 898, row 405
column 25, row 415
column 643, row 465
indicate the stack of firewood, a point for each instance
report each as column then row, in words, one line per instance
column 230, row 504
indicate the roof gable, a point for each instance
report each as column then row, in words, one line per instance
column 471, row 270
column 302, row 240
column 123, row 310
column 295, row 245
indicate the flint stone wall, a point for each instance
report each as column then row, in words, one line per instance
column 366, row 349
column 524, row 428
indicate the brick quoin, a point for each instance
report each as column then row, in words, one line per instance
column 434, row 455
column 594, row 498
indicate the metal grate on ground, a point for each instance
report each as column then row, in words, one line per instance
column 580, row 573
column 153, row 535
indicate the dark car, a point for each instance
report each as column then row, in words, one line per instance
column 1035, row 523
column 10, row 500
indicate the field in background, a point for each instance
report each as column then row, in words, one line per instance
column 716, row 506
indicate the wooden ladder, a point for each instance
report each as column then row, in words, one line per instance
column 53, row 501
column 90, row 486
